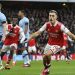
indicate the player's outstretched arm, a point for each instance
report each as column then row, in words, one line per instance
column 65, row 30
column 71, row 35
column 35, row 35
column 43, row 28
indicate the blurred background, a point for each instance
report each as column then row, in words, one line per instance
column 66, row 15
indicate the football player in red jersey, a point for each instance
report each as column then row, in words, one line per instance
column 32, row 47
column 55, row 31
column 14, row 32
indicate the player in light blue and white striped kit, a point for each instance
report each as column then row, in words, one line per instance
column 24, row 23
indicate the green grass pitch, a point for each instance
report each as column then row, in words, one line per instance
column 57, row 68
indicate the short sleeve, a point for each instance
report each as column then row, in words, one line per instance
column 43, row 28
column 64, row 29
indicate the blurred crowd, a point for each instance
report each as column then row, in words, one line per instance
column 38, row 17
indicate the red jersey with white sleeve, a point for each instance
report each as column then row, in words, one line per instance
column 55, row 33
column 32, row 42
column 17, row 31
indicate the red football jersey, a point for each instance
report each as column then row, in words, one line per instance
column 32, row 42
column 12, row 39
column 55, row 33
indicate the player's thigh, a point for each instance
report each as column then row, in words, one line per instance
column 47, row 49
column 51, row 49
column 5, row 48
column 55, row 49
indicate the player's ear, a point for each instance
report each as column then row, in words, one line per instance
column 56, row 17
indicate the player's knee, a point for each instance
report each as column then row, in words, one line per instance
column 44, row 56
column 48, row 54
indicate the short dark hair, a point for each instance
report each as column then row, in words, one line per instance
column 53, row 11
column 0, row 6
column 22, row 11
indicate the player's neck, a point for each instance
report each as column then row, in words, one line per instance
column 54, row 23
column 22, row 16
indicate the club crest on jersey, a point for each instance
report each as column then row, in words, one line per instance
column 15, row 31
column 48, row 30
column 57, row 31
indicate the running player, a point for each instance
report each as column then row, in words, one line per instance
column 55, row 31
column 14, row 32
column 32, row 47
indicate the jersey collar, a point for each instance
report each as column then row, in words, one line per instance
column 55, row 23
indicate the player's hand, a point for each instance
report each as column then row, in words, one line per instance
column 21, row 43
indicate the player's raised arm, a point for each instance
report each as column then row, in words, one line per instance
column 37, row 33
column 65, row 30
column 71, row 35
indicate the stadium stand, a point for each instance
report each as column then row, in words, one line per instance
column 66, row 15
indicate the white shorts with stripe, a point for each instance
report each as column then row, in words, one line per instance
column 8, row 47
column 54, row 49
column 31, row 48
